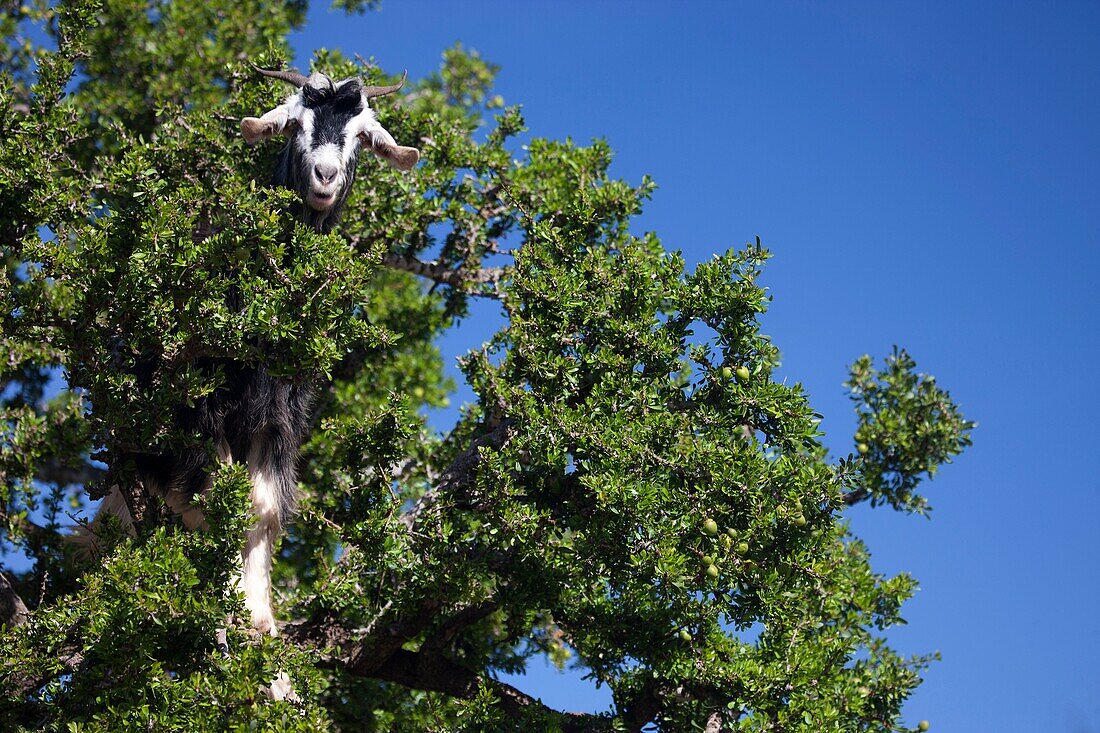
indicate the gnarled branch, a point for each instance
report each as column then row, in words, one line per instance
column 459, row 472
column 460, row 278
column 13, row 612
column 435, row 673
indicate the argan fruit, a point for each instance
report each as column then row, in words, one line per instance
column 742, row 374
column 708, row 560
column 863, row 448
column 742, row 548
column 712, row 571
column 727, row 373
column 710, row 527
column 685, row 635
column 923, row 725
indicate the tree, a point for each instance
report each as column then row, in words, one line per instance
column 631, row 491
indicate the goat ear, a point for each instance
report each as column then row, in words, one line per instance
column 382, row 144
column 276, row 121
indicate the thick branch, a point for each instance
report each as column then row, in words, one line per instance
column 13, row 612
column 642, row 709
column 20, row 682
column 459, row 621
column 461, row 278
column 436, row 673
column 381, row 657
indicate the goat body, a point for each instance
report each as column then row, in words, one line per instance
column 253, row 417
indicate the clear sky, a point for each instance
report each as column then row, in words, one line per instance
column 928, row 175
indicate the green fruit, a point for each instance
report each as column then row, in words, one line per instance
column 742, row 548
column 863, row 448
column 923, row 725
column 727, row 373
column 800, row 521
column 742, row 374
column 712, row 571
column 708, row 560
column 710, row 527
column 864, row 691
column 685, row 635
column 731, row 532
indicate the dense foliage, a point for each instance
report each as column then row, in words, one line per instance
column 630, row 492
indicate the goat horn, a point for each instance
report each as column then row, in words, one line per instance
column 290, row 76
column 379, row 91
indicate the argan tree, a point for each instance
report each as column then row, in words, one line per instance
column 630, row 492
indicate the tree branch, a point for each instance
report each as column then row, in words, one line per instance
column 460, row 471
column 434, row 672
column 59, row 472
column 36, row 533
column 20, row 682
column 460, row 278
column 854, row 497
column 13, row 612
column 460, row 620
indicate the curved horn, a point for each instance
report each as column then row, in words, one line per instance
column 379, row 91
column 290, row 76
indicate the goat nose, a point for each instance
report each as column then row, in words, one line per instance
column 325, row 172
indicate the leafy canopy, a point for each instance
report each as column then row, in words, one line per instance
column 630, row 492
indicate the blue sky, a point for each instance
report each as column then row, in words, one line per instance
column 927, row 175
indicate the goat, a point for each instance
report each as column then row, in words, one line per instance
column 252, row 416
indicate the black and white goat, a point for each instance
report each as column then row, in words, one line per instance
column 252, row 416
